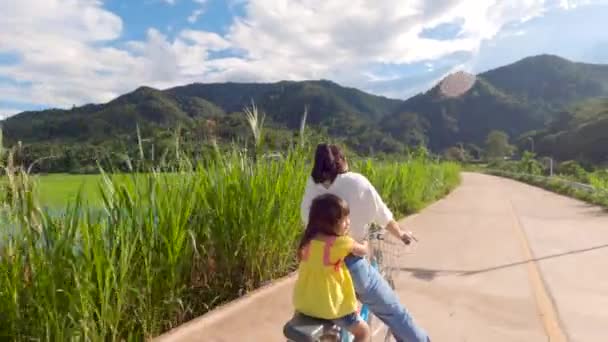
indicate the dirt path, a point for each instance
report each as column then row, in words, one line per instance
column 497, row 261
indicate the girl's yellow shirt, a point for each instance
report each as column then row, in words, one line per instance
column 324, row 287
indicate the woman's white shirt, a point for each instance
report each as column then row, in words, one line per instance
column 366, row 205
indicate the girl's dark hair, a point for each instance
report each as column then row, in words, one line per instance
column 329, row 162
column 326, row 212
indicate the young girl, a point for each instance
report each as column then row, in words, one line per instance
column 324, row 288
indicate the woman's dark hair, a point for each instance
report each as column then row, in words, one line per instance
column 339, row 158
column 329, row 162
column 326, row 212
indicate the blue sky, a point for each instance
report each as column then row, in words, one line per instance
column 59, row 53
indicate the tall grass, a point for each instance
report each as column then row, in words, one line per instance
column 599, row 179
column 409, row 186
column 164, row 247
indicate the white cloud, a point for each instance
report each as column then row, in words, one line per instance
column 571, row 34
column 571, row 4
column 65, row 56
column 209, row 40
column 197, row 12
column 6, row 112
column 67, row 50
column 170, row 2
column 334, row 38
column 195, row 15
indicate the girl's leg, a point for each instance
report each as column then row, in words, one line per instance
column 375, row 292
column 360, row 331
column 356, row 326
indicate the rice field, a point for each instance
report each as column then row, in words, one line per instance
column 158, row 249
column 56, row 190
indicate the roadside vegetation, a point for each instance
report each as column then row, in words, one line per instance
column 162, row 245
column 567, row 178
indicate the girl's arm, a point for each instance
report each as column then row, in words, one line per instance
column 360, row 249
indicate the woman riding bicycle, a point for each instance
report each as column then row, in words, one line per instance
column 330, row 174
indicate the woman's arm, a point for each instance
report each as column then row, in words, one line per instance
column 384, row 217
column 394, row 228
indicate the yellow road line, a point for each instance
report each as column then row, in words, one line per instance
column 544, row 304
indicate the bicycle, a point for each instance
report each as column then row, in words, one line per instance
column 302, row 328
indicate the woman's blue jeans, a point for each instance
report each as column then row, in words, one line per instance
column 373, row 290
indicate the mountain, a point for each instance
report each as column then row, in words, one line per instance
column 578, row 133
column 283, row 102
column 145, row 106
column 467, row 118
column 550, row 81
column 517, row 98
column 76, row 138
column 536, row 96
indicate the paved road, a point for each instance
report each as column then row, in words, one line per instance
column 497, row 261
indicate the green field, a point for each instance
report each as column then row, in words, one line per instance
column 56, row 190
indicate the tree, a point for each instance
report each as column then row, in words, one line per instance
column 455, row 153
column 497, row 145
column 474, row 151
column 529, row 165
column 408, row 128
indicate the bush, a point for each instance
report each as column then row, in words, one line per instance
column 529, row 165
column 574, row 170
column 599, row 179
column 558, row 185
column 505, row 165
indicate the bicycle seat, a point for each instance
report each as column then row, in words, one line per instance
column 305, row 328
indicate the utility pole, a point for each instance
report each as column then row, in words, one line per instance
column 531, row 143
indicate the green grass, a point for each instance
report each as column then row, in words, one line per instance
column 599, row 180
column 56, row 190
column 162, row 248
column 567, row 182
column 409, row 187
column 599, row 196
